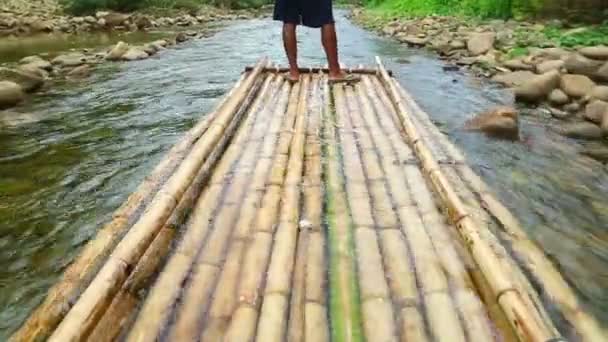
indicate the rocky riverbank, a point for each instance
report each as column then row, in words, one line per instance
column 570, row 82
column 19, row 18
column 33, row 73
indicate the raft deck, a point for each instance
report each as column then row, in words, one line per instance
column 311, row 212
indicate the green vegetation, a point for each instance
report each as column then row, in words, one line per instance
column 489, row 8
column 80, row 7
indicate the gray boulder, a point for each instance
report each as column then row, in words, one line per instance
column 576, row 85
column 538, row 87
column 480, row 43
column 10, row 94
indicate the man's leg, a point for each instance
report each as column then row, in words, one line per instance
column 330, row 44
column 290, row 43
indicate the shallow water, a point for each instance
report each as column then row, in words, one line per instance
column 70, row 157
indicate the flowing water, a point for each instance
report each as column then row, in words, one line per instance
column 68, row 158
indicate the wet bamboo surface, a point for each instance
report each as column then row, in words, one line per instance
column 310, row 212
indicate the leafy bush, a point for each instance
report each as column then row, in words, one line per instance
column 80, row 7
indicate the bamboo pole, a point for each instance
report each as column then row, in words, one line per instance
column 78, row 323
column 156, row 310
column 316, row 70
column 525, row 320
column 496, row 313
column 272, row 324
column 444, row 323
column 378, row 321
column 257, row 258
column 528, row 254
column 344, row 305
column 60, row 298
column 224, row 300
column 117, row 313
column 476, row 325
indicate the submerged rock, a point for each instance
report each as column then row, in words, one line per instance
column 10, row 94
column 80, row 72
column 538, row 88
column 501, row 121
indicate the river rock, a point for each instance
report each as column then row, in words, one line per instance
column 518, row 64
column 595, row 52
column 118, row 51
column 579, row 64
column 552, row 53
column 501, row 121
column 582, row 130
column 150, row 49
column 37, row 62
column 101, row 22
column 598, row 153
column 80, row 72
column 480, row 43
column 411, row 40
column 573, row 107
column 538, row 87
column 512, row 79
column 41, row 26
column 576, row 85
column 600, row 93
column 33, row 69
column 159, row 44
column 10, row 94
column 134, row 54
column 142, row 21
column 70, row 60
column 559, row 114
column 604, row 125
column 602, row 73
column 27, row 81
column 595, row 111
column 114, row 19
column 90, row 20
column 558, row 97
column 181, row 37
column 547, row 66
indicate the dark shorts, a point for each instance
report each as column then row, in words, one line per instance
column 311, row 13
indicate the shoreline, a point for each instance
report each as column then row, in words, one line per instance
column 21, row 80
column 569, row 82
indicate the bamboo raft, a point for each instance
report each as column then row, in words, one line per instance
column 311, row 212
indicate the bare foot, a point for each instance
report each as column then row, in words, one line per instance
column 343, row 77
column 293, row 76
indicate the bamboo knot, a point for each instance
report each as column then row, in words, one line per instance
column 504, row 291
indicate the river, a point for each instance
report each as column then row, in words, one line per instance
column 71, row 156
